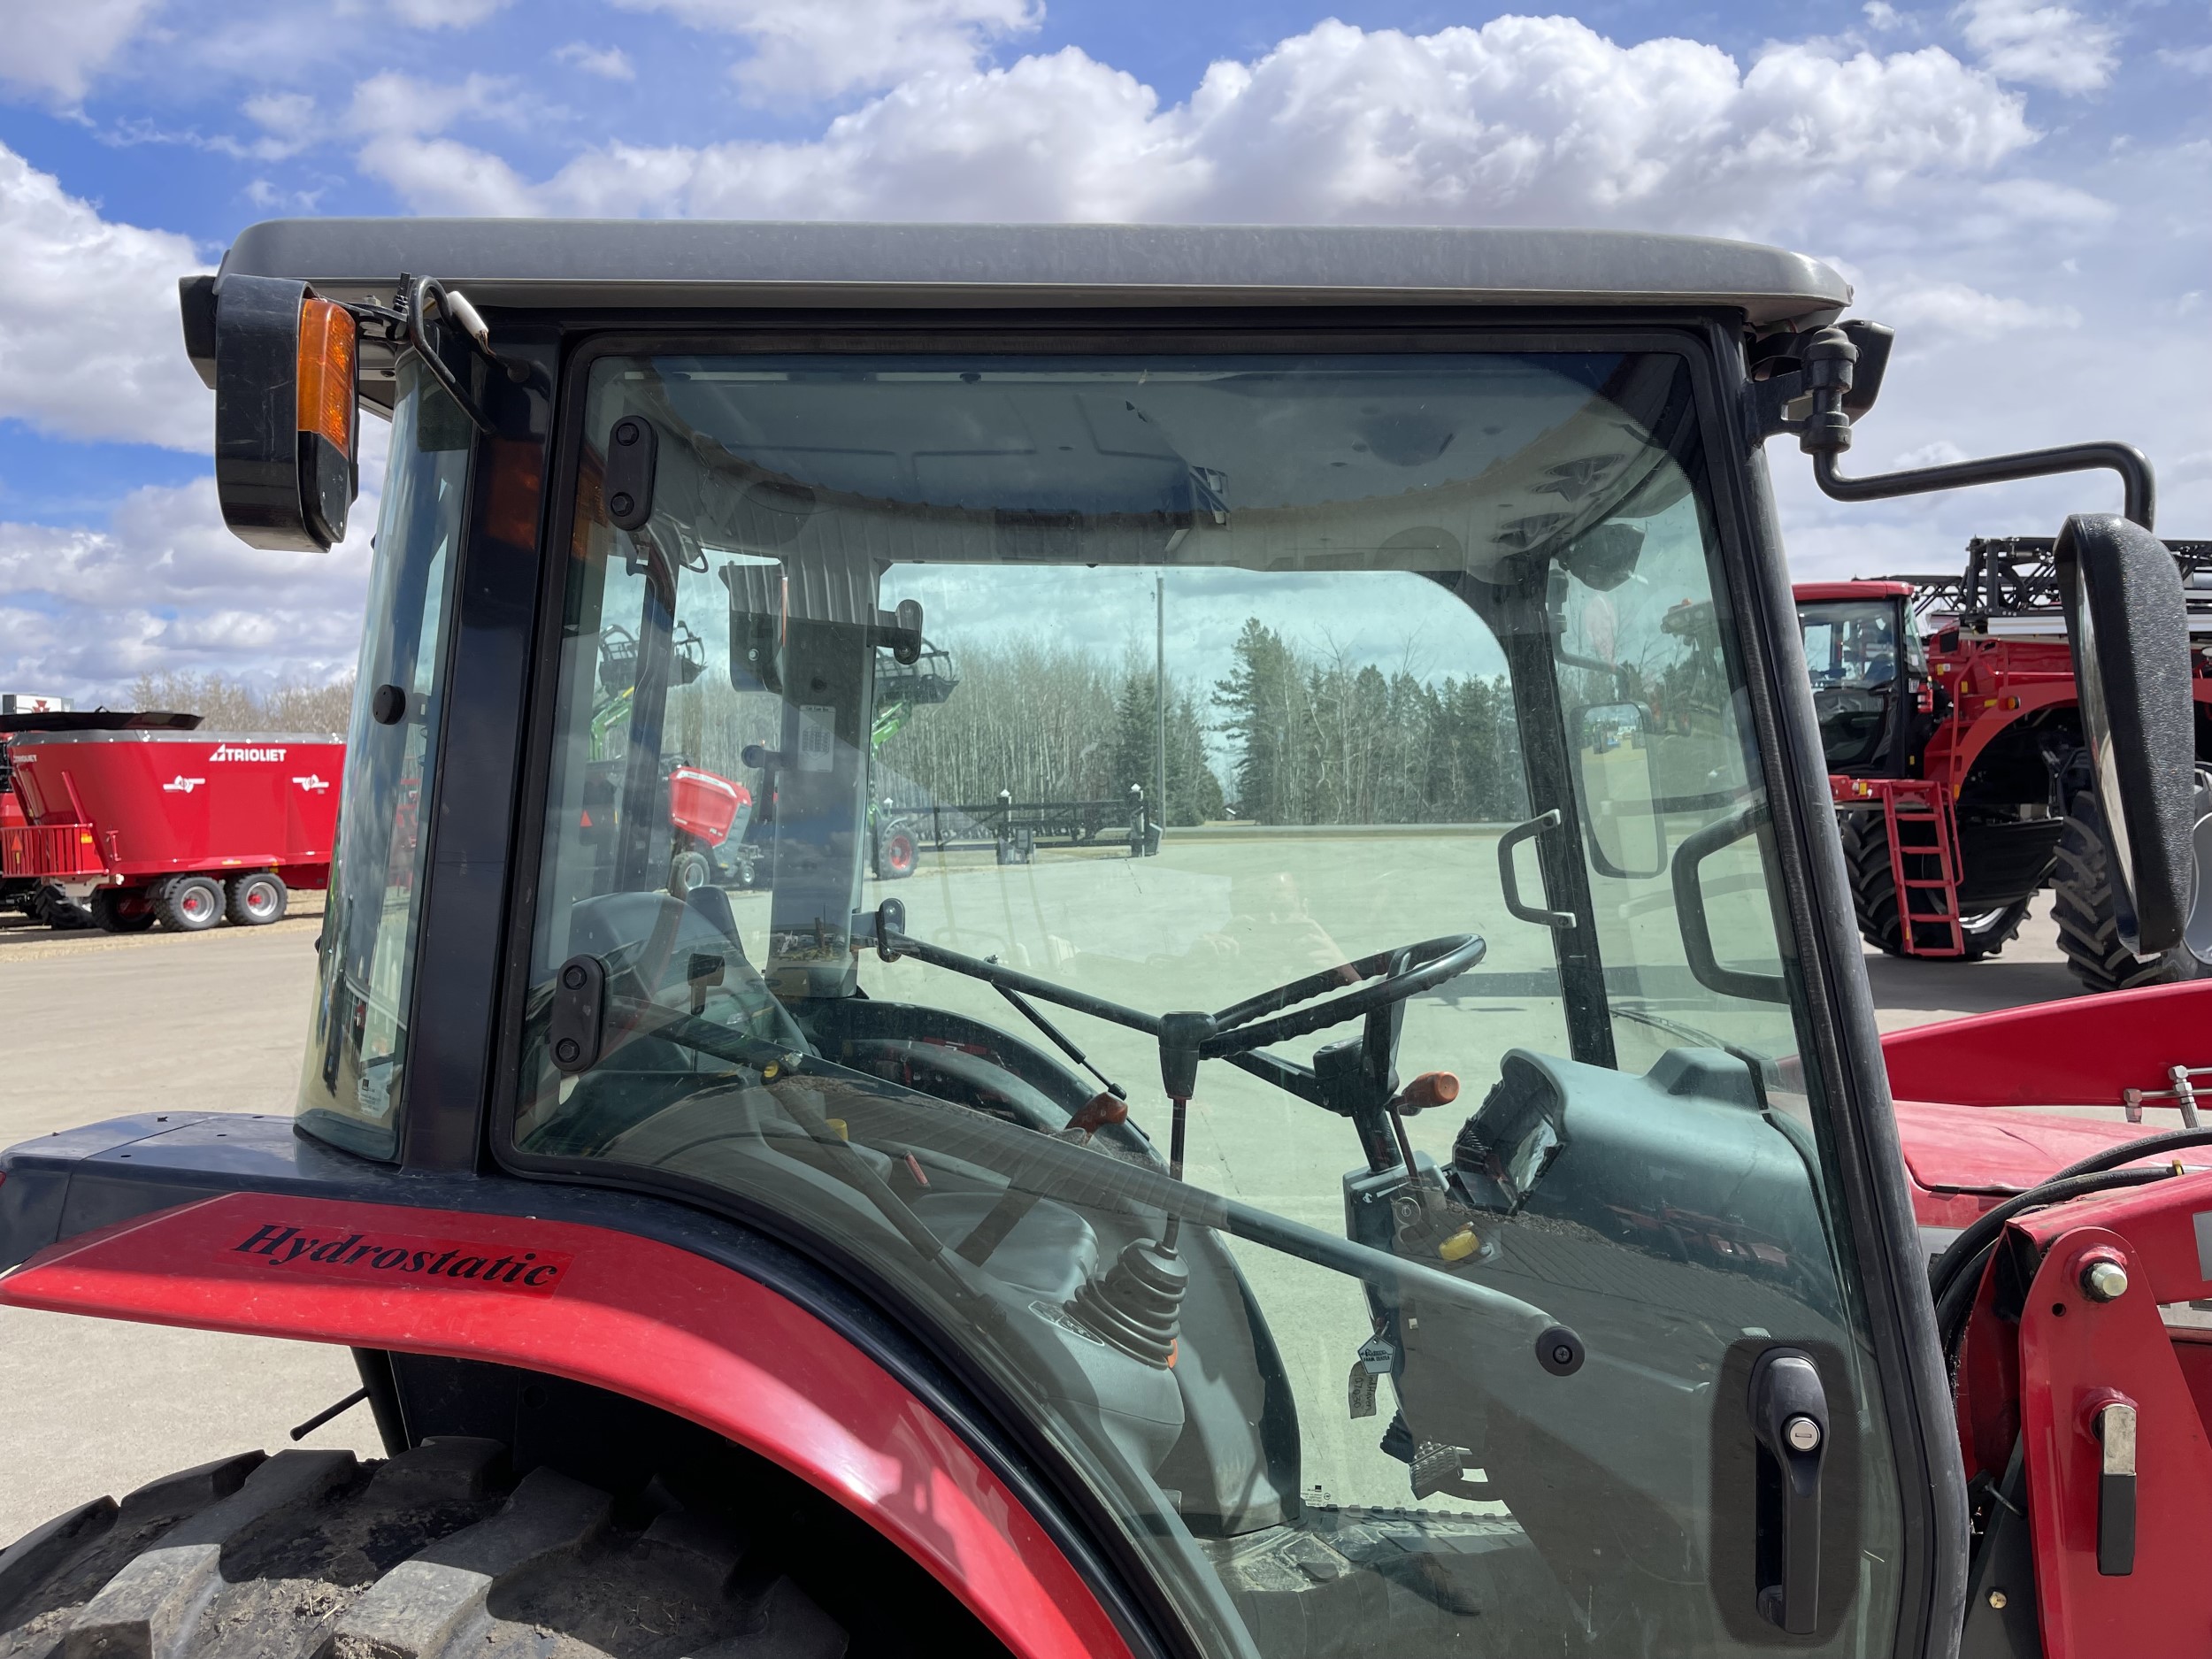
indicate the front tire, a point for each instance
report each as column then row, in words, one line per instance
column 435, row 1555
column 2088, row 932
column 189, row 904
column 1874, row 896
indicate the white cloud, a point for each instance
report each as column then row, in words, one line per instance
column 1958, row 311
column 58, row 51
column 2197, row 60
column 2050, row 46
column 808, row 48
column 609, row 62
column 1531, row 121
column 430, row 14
column 90, row 343
column 166, row 587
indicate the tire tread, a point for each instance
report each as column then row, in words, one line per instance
column 432, row 1555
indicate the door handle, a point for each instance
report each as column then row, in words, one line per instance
column 2115, row 1489
column 1509, row 881
column 1789, row 1420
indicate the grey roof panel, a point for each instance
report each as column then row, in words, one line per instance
column 698, row 262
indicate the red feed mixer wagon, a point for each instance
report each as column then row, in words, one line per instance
column 180, row 828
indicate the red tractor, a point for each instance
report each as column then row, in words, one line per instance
column 1957, row 758
column 1477, row 1243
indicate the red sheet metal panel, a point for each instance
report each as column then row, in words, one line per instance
column 2083, row 1051
column 1975, row 1149
column 616, row 1311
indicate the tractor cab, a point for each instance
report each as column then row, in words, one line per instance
column 1869, row 667
column 1450, row 1206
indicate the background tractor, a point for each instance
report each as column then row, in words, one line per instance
column 1955, row 751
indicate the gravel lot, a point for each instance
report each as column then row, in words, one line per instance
column 99, row 1026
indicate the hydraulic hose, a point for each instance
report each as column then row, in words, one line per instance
column 1949, row 1278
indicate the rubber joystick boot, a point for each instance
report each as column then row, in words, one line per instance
column 1135, row 1304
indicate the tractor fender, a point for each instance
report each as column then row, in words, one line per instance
column 614, row 1310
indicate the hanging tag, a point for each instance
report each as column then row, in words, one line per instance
column 1359, row 1390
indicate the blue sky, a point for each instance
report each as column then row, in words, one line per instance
column 2020, row 188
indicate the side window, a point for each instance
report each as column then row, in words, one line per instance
column 1663, row 764
column 351, row 1087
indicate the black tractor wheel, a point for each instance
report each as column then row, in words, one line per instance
column 53, row 906
column 2087, row 931
column 688, row 870
column 256, row 899
column 434, row 1554
column 115, row 912
column 1874, row 896
column 189, row 904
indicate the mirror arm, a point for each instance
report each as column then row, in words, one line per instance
column 2139, row 503
column 1824, row 366
column 417, row 294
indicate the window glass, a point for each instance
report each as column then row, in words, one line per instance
column 350, row 1090
column 1238, row 891
column 1852, row 650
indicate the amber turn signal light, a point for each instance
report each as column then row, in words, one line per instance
column 327, row 373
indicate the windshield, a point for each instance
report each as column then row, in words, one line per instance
column 1851, row 652
column 1233, row 890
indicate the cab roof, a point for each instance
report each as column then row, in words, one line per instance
column 1805, row 592
column 579, row 263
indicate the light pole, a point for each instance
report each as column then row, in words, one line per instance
column 1159, row 699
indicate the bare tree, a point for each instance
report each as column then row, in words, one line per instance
column 234, row 705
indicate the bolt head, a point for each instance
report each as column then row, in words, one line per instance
column 620, row 503
column 1997, row 1599
column 567, row 1050
column 2104, row 1282
column 1803, row 1433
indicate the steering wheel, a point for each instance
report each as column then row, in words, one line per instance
column 1407, row 970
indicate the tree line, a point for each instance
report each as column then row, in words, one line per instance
column 235, row 705
column 1317, row 739
column 1300, row 737
column 1047, row 723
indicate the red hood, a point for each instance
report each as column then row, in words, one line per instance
column 1975, row 1149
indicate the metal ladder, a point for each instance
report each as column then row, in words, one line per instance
column 1925, row 810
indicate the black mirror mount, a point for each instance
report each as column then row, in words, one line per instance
column 1820, row 373
column 2128, row 626
column 758, row 622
